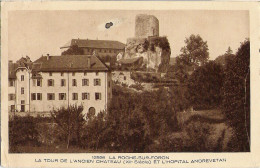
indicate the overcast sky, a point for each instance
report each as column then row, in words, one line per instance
column 36, row 33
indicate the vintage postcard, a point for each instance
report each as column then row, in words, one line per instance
column 130, row 84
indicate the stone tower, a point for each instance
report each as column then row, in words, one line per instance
column 146, row 25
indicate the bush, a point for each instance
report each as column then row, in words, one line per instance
column 22, row 131
column 137, row 86
column 194, row 137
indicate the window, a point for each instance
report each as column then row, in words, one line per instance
column 97, row 82
column 33, row 96
column 74, row 82
column 73, row 73
column 62, row 96
column 97, row 96
column 85, row 96
column 85, row 82
column 63, row 82
column 12, row 108
column 22, row 90
column 50, row 82
column 11, row 96
column 96, row 73
column 50, row 96
column 36, row 96
column 22, row 77
column 50, row 73
column 34, row 82
column 85, row 73
column 11, row 82
column 91, row 111
column 39, row 82
column 74, row 96
column 109, row 84
column 61, row 74
column 39, row 96
column 22, row 106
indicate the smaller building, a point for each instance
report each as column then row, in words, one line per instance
column 123, row 78
column 130, row 63
column 101, row 48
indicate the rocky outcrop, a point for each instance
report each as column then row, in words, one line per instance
column 155, row 51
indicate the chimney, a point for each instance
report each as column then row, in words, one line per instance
column 28, row 58
column 88, row 62
column 48, row 56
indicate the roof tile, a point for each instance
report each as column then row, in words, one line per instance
column 95, row 44
column 69, row 63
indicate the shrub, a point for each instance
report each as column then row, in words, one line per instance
column 22, row 131
column 137, row 86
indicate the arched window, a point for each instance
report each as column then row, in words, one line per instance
column 91, row 111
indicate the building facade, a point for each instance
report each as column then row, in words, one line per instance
column 52, row 82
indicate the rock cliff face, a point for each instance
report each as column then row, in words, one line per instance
column 155, row 52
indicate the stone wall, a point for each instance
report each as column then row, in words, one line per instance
column 146, row 25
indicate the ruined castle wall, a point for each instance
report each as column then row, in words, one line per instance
column 146, row 25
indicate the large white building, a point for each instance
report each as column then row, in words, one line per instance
column 52, row 82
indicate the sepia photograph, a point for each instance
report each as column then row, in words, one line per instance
column 128, row 81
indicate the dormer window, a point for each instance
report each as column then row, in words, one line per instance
column 50, row 73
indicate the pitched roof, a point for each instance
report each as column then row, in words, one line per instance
column 95, row 44
column 11, row 70
column 21, row 63
column 130, row 60
column 69, row 63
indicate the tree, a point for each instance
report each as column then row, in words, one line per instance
column 205, row 86
column 22, row 131
column 236, row 92
column 223, row 59
column 73, row 50
column 70, row 121
column 94, row 130
column 195, row 53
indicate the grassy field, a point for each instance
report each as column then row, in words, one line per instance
column 215, row 119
